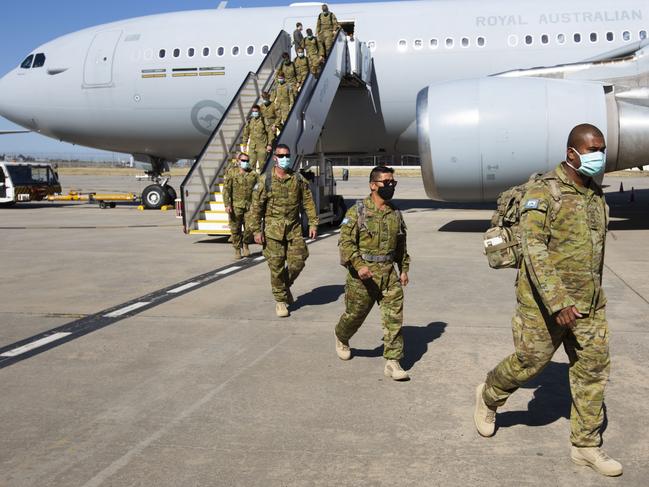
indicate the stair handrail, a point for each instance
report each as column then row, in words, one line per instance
column 271, row 60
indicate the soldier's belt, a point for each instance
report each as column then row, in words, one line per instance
column 378, row 258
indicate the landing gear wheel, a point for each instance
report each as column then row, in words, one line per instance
column 339, row 210
column 154, row 197
column 171, row 194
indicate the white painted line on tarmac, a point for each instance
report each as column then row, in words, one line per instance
column 228, row 270
column 259, row 259
column 183, row 288
column 38, row 343
column 310, row 241
column 128, row 309
column 337, row 230
column 325, row 235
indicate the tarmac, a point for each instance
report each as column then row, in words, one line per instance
column 167, row 365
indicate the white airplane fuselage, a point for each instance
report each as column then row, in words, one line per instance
column 103, row 87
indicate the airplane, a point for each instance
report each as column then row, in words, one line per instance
column 483, row 92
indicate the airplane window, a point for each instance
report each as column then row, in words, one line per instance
column 545, row 39
column 561, row 38
column 27, row 63
column 403, row 45
column 465, row 42
column 610, row 37
column 643, row 35
column 39, row 60
column 449, row 42
column 176, row 52
column 265, row 49
column 418, row 44
column 626, row 35
column 206, row 51
column 483, row 42
column 434, row 44
column 529, row 40
column 220, row 51
column 593, row 37
column 191, row 51
column 235, row 50
column 512, row 40
column 250, row 50
column 162, row 53
column 577, row 38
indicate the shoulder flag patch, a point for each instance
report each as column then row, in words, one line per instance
column 345, row 221
column 532, row 204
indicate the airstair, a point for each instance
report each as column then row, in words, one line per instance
column 348, row 62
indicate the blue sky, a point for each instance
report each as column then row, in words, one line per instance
column 27, row 24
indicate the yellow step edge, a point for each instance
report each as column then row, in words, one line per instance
column 208, row 232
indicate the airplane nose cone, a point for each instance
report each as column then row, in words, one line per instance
column 3, row 96
column 12, row 101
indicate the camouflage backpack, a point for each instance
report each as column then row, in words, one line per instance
column 502, row 241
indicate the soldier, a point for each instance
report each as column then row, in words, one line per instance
column 298, row 37
column 269, row 112
column 237, row 198
column 277, row 201
column 257, row 139
column 372, row 241
column 301, row 67
column 560, row 299
column 314, row 51
column 327, row 28
column 284, row 97
column 290, row 73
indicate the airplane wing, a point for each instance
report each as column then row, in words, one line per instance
column 10, row 132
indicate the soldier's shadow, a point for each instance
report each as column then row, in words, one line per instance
column 551, row 400
column 319, row 296
column 416, row 340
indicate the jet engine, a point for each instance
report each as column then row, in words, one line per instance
column 478, row 137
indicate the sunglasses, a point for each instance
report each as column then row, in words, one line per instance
column 390, row 183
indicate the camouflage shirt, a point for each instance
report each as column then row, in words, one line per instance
column 256, row 132
column 238, row 188
column 563, row 253
column 290, row 73
column 283, row 94
column 302, row 67
column 280, row 208
column 313, row 47
column 269, row 112
column 383, row 233
column 327, row 23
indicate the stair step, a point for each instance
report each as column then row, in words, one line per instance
column 216, row 216
column 216, row 206
column 214, row 226
column 208, row 232
column 217, row 198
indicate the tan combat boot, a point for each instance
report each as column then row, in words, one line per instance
column 246, row 250
column 596, row 459
column 237, row 254
column 484, row 417
column 343, row 351
column 394, row 371
column 281, row 310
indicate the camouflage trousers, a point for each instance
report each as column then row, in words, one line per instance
column 283, row 110
column 239, row 227
column 536, row 338
column 385, row 289
column 286, row 259
column 327, row 40
column 258, row 155
column 314, row 65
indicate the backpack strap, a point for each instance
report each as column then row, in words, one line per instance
column 552, row 183
column 360, row 211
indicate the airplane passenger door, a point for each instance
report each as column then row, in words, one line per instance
column 98, row 69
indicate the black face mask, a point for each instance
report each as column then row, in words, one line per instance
column 386, row 192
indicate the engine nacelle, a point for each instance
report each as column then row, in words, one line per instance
column 478, row 137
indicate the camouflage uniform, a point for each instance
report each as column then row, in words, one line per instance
column 270, row 115
column 284, row 249
column 562, row 267
column 257, row 137
column 314, row 52
column 383, row 234
column 302, row 68
column 283, row 98
column 290, row 73
column 326, row 28
column 237, row 194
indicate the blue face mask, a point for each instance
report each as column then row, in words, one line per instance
column 245, row 165
column 255, row 114
column 592, row 164
column 284, row 162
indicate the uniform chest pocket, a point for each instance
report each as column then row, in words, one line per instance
column 596, row 217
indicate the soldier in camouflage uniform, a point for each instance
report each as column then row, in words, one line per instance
column 289, row 70
column 372, row 241
column 314, row 51
column 237, row 198
column 301, row 67
column 560, row 300
column 327, row 28
column 257, row 139
column 283, row 97
column 269, row 112
column 277, row 201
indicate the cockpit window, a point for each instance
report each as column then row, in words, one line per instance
column 39, row 60
column 27, row 63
